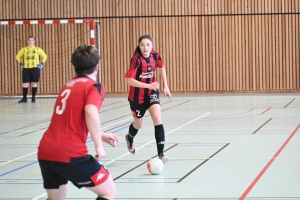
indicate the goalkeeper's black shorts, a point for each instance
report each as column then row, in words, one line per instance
column 31, row 75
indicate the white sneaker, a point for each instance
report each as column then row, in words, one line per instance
column 164, row 158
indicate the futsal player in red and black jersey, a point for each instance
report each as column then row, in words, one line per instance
column 144, row 93
column 62, row 152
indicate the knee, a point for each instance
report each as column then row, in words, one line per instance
column 137, row 125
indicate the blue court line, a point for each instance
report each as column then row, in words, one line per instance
column 18, row 168
column 11, row 171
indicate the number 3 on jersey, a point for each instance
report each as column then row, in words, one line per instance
column 65, row 94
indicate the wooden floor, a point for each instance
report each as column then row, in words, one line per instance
column 222, row 146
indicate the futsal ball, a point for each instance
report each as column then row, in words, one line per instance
column 155, row 166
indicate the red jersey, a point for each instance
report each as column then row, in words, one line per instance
column 143, row 70
column 66, row 136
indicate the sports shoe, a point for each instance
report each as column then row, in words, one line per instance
column 164, row 158
column 130, row 146
column 33, row 100
column 23, row 100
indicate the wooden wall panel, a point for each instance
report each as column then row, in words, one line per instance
column 207, row 46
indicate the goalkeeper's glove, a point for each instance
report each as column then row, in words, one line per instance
column 40, row 65
column 21, row 65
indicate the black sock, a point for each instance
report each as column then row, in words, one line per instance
column 101, row 198
column 34, row 90
column 160, row 138
column 25, row 91
column 132, row 133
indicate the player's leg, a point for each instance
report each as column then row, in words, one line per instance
column 105, row 190
column 25, row 83
column 138, row 111
column 35, row 78
column 155, row 112
column 87, row 172
column 57, row 194
column 54, row 183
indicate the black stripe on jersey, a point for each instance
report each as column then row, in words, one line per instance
column 98, row 86
column 136, row 89
column 146, row 91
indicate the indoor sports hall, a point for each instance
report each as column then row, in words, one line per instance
column 231, row 127
column 240, row 146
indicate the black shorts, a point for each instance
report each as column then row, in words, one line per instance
column 84, row 171
column 139, row 110
column 31, row 75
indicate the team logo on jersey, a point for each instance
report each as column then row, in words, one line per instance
column 146, row 75
column 149, row 69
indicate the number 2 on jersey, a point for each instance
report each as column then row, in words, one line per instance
column 65, row 94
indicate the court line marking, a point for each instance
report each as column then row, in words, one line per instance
column 288, row 103
column 44, row 194
column 244, row 195
column 144, row 162
column 36, row 151
column 18, row 158
column 202, row 163
column 261, row 126
column 101, row 128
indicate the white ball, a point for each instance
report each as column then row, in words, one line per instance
column 155, row 166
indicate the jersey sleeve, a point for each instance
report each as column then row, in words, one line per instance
column 42, row 54
column 134, row 64
column 20, row 54
column 159, row 62
column 96, row 95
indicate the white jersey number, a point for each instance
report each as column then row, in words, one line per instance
column 65, row 94
column 138, row 113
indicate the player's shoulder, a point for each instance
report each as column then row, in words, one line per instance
column 136, row 55
column 155, row 52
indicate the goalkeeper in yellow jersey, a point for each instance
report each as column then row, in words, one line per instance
column 31, row 59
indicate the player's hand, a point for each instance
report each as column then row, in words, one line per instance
column 109, row 138
column 40, row 65
column 167, row 92
column 21, row 65
column 100, row 153
column 154, row 86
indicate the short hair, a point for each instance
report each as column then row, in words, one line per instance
column 85, row 59
column 31, row 37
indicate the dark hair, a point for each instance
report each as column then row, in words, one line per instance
column 85, row 59
column 137, row 49
column 31, row 37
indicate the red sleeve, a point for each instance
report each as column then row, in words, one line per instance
column 96, row 95
column 159, row 62
column 134, row 64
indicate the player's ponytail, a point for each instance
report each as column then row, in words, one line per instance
column 138, row 50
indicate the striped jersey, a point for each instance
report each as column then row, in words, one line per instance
column 142, row 69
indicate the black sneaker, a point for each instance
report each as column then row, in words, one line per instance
column 130, row 146
column 23, row 100
column 33, row 100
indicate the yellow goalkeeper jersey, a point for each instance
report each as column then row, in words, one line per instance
column 31, row 56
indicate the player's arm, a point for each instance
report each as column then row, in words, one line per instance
column 93, row 124
column 163, row 74
column 20, row 55
column 136, row 83
column 43, row 55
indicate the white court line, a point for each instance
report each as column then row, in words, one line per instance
column 36, row 151
column 17, row 158
column 154, row 140
column 42, row 195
